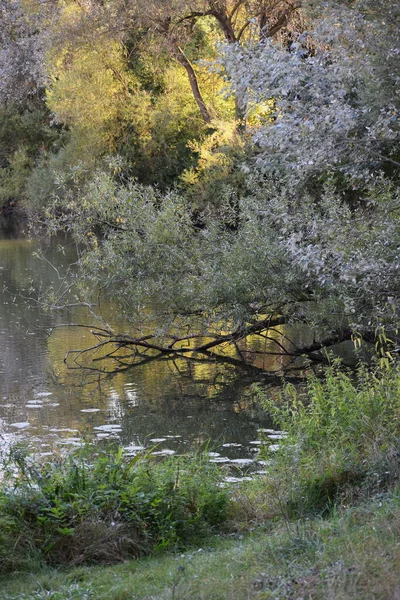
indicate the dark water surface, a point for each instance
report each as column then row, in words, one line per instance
column 174, row 405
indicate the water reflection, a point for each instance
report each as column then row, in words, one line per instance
column 173, row 405
column 184, row 403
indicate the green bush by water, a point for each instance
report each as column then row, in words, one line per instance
column 341, row 447
column 342, row 439
column 102, row 507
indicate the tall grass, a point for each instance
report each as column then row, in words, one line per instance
column 343, row 441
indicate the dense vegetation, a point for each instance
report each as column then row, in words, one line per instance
column 213, row 160
column 102, row 507
column 232, row 167
column 324, row 514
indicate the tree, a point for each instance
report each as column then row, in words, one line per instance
column 174, row 24
column 98, row 97
column 234, row 20
column 336, row 106
column 79, row 58
column 22, row 72
column 26, row 130
column 295, row 254
column 237, row 18
column 329, row 267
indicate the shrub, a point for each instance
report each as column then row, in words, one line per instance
column 98, row 506
column 216, row 181
column 342, row 439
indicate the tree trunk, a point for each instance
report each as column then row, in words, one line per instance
column 262, row 23
column 230, row 35
column 183, row 60
column 226, row 26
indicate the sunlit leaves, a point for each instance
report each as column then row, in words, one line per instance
column 88, row 90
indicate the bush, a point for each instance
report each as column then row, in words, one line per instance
column 342, row 439
column 26, row 136
column 101, row 507
column 216, row 181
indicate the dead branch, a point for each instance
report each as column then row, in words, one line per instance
column 126, row 351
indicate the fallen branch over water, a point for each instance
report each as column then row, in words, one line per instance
column 123, row 351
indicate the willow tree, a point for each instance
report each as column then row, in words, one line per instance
column 295, row 255
column 175, row 25
column 21, row 51
column 244, row 19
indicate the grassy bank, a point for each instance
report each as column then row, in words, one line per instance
column 323, row 522
column 353, row 554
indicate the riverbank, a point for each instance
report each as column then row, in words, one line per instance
column 323, row 521
column 355, row 554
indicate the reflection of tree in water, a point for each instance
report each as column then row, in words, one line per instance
column 18, row 320
column 198, row 400
column 196, row 397
column 180, row 402
column 22, row 323
column 11, row 227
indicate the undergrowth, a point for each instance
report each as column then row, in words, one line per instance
column 341, row 444
column 98, row 506
column 339, row 447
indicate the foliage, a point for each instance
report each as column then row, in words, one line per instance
column 335, row 94
column 22, row 72
column 113, row 116
column 125, row 78
column 124, row 99
column 155, row 135
column 88, row 94
column 98, row 506
column 342, row 433
column 216, row 179
column 264, row 228
column 26, row 136
column 269, row 253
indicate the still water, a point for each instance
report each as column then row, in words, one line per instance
column 170, row 405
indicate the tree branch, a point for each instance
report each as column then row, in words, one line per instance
column 235, row 8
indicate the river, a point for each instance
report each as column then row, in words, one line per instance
column 170, row 406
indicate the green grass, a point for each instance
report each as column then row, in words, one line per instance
column 353, row 555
